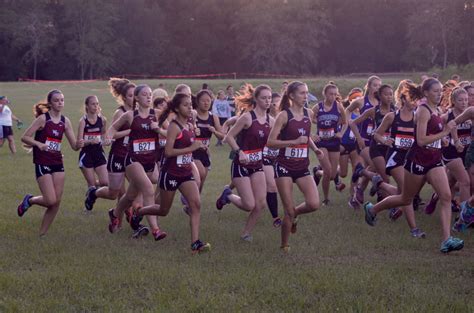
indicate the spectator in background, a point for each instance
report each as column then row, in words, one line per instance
column 205, row 86
column 435, row 75
column 230, row 99
column 6, row 117
column 456, row 77
column 221, row 108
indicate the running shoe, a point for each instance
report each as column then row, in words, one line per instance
column 159, row 234
column 359, row 194
column 451, row 244
column 24, row 205
column 294, row 225
column 199, row 247
column 353, row 203
column 224, row 198
column 246, row 238
column 141, row 231
column 114, row 222
column 326, row 202
column 431, row 206
column 395, row 213
column 357, row 172
column 466, row 218
column 277, row 222
column 417, row 233
column 316, row 176
column 90, row 198
column 370, row 218
column 285, row 249
column 135, row 220
column 376, row 181
column 341, row 186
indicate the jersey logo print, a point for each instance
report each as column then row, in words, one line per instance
column 173, row 183
column 302, row 131
column 146, row 126
column 118, row 166
column 55, row 133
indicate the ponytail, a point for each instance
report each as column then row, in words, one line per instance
column 44, row 106
column 118, row 88
column 172, row 106
column 285, row 100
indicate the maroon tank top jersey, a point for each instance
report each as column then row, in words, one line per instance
column 120, row 145
column 51, row 135
column 204, row 133
column 180, row 165
column 252, row 141
column 143, row 140
column 430, row 154
column 296, row 157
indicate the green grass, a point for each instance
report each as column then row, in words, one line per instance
column 337, row 262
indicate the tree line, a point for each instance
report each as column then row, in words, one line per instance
column 87, row 39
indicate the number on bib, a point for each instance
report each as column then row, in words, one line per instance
column 184, row 159
column 93, row 136
column 53, row 144
column 370, row 129
column 404, row 142
column 271, row 153
column 254, row 156
column 435, row 145
column 144, row 145
column 162, row 142
column 326, row 133
column 299, row 151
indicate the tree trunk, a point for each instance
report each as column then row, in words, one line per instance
column 445, row 46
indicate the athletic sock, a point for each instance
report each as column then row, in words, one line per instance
column 272, row 202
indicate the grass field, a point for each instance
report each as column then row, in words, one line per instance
column 337, row 262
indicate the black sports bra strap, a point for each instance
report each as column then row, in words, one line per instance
column 181, row 127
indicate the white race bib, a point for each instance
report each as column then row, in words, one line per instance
column 144, row 145
column 93, row 137
column 326, row 133
column 162, row 142
column 435, row 145
column 53, row 144
column 465, row 140
column 298, row 152
column 126, row 140
column 184, row 159
column 254, row 155
column 370, row 129
column 404, row 142
column 272, row 153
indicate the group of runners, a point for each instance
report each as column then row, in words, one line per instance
column 396, row 139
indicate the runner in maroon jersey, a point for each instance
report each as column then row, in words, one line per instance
column 247, row 138
column 459, row 141
column 291, row 135
column 48, row 129
column 140, row 159
column 122, row 90
column 177, row 171
column 424, row 162
column 92, row 128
